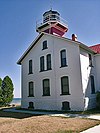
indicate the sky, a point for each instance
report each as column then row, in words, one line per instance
column 18, row 28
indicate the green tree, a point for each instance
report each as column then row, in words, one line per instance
column 7, row 90
column 0, row 92
column 0, row 83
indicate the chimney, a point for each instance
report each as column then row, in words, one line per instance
column 74, row 37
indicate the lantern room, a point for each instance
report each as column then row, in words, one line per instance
column 52, row 23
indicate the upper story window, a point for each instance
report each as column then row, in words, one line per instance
column 42, row 68
column 90, row 60
column 92, row 84
column 31, row 89
column 63, row 58
column 30, row 67
column 44, row 45
column 49, row 62
column 64, row 85
column 46, row 87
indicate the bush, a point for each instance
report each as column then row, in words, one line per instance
column 6, row 91
column 98, row 99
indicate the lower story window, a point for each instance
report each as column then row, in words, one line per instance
column 92, row 84
column 31, row 105
column 65, row 85
column 46, row 87
column 31, row 89
column 65, row 105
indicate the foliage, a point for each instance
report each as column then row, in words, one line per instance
column 0, row 92
column 98, row 99
column 6, row 91
column 0, row 83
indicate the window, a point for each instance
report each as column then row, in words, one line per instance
column 64, row 85
column 31, row 89
column 49, row 62
column 90, row 60
column 42, row 63
column 65, row 105
column 30, row 67
column 44, row 44
column 92, row 84
column 31, row 105
column 46, row 87
column 63, row 58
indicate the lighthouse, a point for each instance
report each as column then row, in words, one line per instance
column 52, row 23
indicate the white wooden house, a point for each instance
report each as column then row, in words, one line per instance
column 58, row 73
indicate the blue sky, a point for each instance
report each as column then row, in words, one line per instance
column 18, row 23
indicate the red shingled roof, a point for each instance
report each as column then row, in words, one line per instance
column 96, row 48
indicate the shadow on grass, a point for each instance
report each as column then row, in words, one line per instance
column 15, row 115
column 21, row 115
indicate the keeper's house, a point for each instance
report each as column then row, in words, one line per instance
column 58, row 73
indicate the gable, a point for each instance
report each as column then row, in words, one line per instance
column 55, row 36
column 29, row 48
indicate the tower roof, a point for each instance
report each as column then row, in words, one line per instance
column 52, row 23
column 50, row 12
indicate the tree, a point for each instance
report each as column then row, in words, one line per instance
column 0, row 92
column 0, row 83
column 7, row 90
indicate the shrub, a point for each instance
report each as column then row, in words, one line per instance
column 6, row 91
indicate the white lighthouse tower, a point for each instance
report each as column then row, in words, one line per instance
column 52, row 23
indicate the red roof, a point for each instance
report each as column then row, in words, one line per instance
column 96, row 48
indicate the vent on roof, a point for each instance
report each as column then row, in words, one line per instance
column 74, row 37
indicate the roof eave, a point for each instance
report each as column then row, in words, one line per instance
column 86, row 48
column 29, row 48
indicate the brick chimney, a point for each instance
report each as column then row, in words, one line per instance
column 74, row 37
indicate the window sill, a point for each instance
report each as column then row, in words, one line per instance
column 45, row 48
column 49, row 69
column 30, row 73
column 31, row 96
column 42, row 70
column 45, row 70
column 45, row 95
column 64, row 94
column 91, row 66
column 64, row 66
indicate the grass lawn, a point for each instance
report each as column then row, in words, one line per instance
column 28, row 123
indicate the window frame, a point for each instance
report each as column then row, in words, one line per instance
column 63, row 60
column 30, row 66
column 44, row 45
column 48, row 60
column 92, row 84
column 31, row 105
column 64, row 107
column 46, row 88
column 63, row 92
column 42, row 64
column 31, row 89
column 90, row 60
